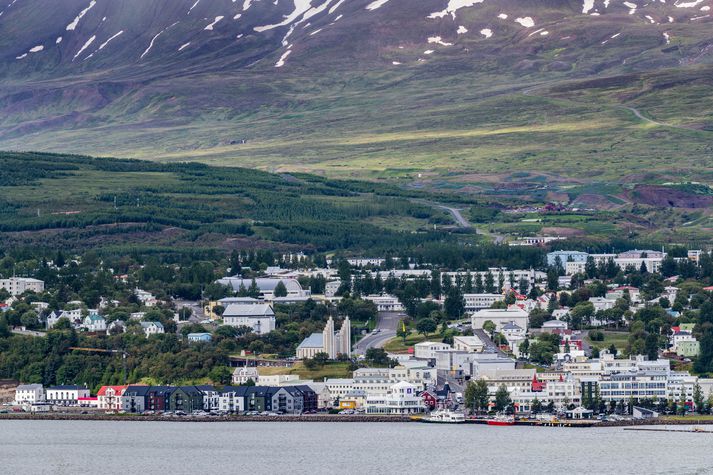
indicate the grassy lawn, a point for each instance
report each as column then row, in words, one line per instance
column 397, row 345
column 618, row 339
column 691, row 418
column 330, row 370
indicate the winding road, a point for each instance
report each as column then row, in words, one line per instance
column 464, row 223
column 385, row 330
column 641, row 116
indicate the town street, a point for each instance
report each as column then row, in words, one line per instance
column 385, row 330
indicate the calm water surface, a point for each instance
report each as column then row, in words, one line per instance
column 77, row 447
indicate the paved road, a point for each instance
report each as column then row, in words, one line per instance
column 489, row 344
column 464, row 223
column 386, row 326
column 444, row 377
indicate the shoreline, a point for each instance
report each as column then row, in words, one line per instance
column 204, row 419
column 318, row 418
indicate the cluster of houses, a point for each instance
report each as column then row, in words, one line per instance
column 138, row 399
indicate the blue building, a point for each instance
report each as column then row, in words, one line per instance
column 200, row 337
column 566, row 256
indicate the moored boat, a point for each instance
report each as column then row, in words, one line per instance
column 444, row 416
column 502, row 421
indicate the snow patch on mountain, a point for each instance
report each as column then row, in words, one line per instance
column 439, row 41
column 153, row 40
column 301, row 8
column 86, row 45
column 588, row 6
column 72, row 26
column 527, row 21
column 215, row 22
column 103, row 45
column 281, row 62
column 453, row 7
column 376, row 4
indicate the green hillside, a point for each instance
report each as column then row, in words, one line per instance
column 75, row 202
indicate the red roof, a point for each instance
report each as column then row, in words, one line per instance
column 537, row 386
column 117, row 389
column 708, row 289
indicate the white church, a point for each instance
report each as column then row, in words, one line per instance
column 331, row 342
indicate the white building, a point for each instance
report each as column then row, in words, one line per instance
column 19, row 285
column 280, row 380
column 146, row 298
column 339, row 387
column 402, row 399
column 474, row 302
column 427, row 349
column 331, row 288
column 66, row 395
column 386, row 303
column 266, row 286
column 261, row 317
column 470, row 344
column 94, row 323
column 500, row 318
column 29, row 394
column 152, row 328
column 245, row 374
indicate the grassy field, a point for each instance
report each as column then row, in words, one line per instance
column 619, row 339
column 691, row 418
column 397, row 345
column 330, row 370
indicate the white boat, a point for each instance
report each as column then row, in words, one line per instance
column 445, row 416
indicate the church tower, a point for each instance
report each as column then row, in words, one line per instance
column 328, row 339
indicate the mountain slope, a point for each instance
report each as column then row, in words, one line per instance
column 362, row 87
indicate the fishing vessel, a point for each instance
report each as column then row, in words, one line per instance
column 502, row 421
column 445, row 416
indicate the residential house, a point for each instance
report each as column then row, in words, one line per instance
column 94, row 324
column 109, row 398
column 29, row 394
column 116, row 327
column 152, row 328
column 200, row 337
column 244, row 374
column 186, row 399
column 310, row 399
